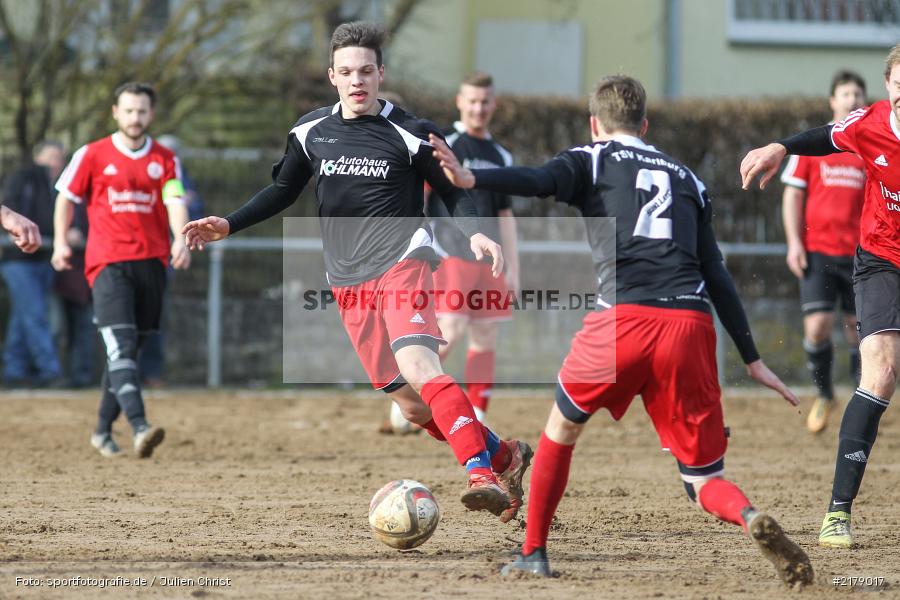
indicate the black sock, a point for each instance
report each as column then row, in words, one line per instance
column 109, row 407
column 859, row 427
column 818, row 361
column 855, row 366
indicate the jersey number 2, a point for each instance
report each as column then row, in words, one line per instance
column 650, row 223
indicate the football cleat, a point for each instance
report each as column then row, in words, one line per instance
column 535, row 563
column 146, row 439
column 836, row 531
column 106, row 445
column 791, row 562
column 511, row 479
column 484, row 493
column 818, row 416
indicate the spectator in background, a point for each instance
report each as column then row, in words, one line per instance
column 152, row 357
column 29, row 355
column 74, row 294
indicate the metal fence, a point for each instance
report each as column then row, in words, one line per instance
column 220, row 250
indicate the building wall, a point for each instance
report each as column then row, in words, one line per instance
column 441, row 44
column 713, row 67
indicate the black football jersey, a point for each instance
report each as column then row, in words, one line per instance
column 663, row 229
column 369, row 175
column 473, row 153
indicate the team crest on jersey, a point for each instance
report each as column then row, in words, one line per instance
column 155, row 170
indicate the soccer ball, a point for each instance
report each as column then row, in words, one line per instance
column 403, row 514
column 399, row 423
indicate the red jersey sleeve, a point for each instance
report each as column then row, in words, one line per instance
column 843, row 134
column 796, row 173
column 75, row 181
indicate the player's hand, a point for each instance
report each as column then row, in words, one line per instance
column 762, row 161
column 203, row 231
column 24, row 233
column 181, row 256
column 458, row 175
column 796, row 259
column 62, row 256
column 761, row 373
column 481, row 245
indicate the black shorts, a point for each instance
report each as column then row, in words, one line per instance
column 877, row 285
column 827, row 280
column 130, row 292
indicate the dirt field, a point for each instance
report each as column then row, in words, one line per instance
column 266, row 494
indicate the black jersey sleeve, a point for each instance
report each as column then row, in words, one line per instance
column 289, row 176
column 522, row 181
column 812, row 142
column 721, row 289
column 458, row 202
column 564, row 177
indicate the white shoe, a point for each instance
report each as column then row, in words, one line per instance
column 147, row 439
column 106, row 445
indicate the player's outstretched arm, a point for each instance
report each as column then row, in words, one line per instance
column 24, row 232
column 764, row 162
column 762, row 374
column 204, row 231
column 457, row 174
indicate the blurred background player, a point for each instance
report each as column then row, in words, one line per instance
column 134, row 195
column 370, row 160
column 29, row 354
column 871, row 133
column 474, row 146
column 822, row 201
column 653, row 333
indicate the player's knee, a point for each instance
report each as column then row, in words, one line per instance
column 120, row 341
column 694, row 478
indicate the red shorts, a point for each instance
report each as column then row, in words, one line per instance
column 389, row 312
column 668, row 356
column 468, row 289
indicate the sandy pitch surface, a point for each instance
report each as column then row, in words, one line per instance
column 265, row 495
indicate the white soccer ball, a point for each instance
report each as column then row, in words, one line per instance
column 398, row 422
column 403, row 514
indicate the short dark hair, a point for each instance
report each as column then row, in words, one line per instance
column 137, row 88
column 479, row 79
column 619, row 102
column 358, row 34
column 845, row 76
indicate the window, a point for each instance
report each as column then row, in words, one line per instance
column 859, row 23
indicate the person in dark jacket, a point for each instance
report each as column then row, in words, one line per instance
column 29, row 355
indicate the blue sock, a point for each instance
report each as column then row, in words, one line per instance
column 492, row 443
column 482, row 460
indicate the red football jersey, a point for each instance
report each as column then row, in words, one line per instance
column 874, row 134
column 834, row 187
column 123, row 188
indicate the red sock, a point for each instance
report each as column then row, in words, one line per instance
column 454, row 417
column 549, row 476
column 479, row 376
column 722, row 499
column 500, row 460
column 432, row 429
